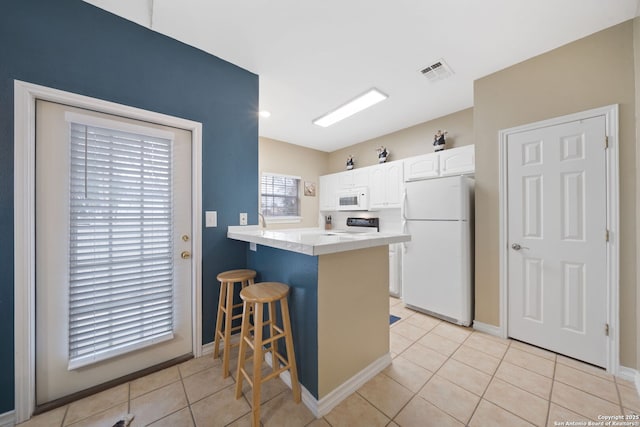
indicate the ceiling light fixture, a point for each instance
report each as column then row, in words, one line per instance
column 264, row 113
column 366, row 100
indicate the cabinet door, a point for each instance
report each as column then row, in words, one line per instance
column 458, row 161
column 353, row 178
column 393, row 181
column 345, row 179
column 421, row 167
column 386, row 186
column 328, row 192
column 377, row 189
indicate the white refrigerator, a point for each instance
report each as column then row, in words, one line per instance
column 437, row 265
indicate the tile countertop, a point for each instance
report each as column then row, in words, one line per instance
column 314, row 241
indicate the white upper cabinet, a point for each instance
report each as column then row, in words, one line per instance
column 386, row 186
column 327, row 192
column 454, row 161
column 353, row 178
column 458, row 161
column 421, row 167
column 384, row 181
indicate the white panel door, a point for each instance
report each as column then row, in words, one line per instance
column 54, row 377
column 557, row 238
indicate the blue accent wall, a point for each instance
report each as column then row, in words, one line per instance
column 300, row 272
column 73, row 46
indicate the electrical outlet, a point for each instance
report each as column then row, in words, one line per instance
column 243, row 218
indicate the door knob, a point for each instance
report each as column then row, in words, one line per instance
column 185, row 255
column 517, row 247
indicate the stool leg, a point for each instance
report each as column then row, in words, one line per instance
column 244, row 333
column 257, row 364
column 291, row 357
column 227, row 330
column 274, row 344
column 218, row 331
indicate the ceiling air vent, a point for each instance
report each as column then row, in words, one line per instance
column 437, row 71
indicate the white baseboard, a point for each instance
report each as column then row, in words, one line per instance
column 206, row 348
column 322, row 407
column 337, row 395
column 630, row 374
column 8, row 419
column 489, row 329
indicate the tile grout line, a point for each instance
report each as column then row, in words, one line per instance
column 553, row 382
column 493, row 376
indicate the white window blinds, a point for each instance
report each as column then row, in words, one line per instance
column 121, row 243
column 279, row 195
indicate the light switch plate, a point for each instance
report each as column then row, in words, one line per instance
column 211, row 219
column 243, row 218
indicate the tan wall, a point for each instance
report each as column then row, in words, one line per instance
column 592, row 72
column 353, row 314
column 288, row 159
column 408, row 142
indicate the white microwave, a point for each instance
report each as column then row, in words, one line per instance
column 355, row 199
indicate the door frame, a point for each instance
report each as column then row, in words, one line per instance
column 25, row 96
column 610, row 114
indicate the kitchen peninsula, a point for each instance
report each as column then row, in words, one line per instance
column 339, row 303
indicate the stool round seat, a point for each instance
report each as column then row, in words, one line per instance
column 264, row 292
column 236, row 275
column 226, row 308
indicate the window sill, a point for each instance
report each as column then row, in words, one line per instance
column 283, row 219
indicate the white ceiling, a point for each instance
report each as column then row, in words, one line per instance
column 314, row 56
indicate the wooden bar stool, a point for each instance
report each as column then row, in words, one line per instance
column 227, row 280
column 254, row 297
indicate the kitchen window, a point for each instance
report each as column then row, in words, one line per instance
column 280, row 197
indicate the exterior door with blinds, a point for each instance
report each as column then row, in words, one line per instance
column 113, row 244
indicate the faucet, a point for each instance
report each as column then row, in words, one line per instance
column 261, row 220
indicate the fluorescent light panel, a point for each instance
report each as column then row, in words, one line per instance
column 366, row 100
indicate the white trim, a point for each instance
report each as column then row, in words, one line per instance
column 488, row 329
column 100, row 122
column 610, row 114
column 207, row 348
column 8, row 419
column 629, row 374
column 322, row 407
column 282, row 219
column 299, row 178
column 25, row 95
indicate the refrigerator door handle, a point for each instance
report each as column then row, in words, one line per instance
column 404, row 231
column 404, row 206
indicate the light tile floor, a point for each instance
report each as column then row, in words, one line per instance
column 441, row 375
